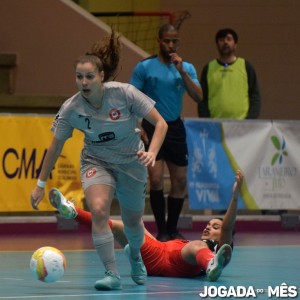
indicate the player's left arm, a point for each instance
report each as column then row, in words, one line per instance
column 190, row 79
column 230, row 215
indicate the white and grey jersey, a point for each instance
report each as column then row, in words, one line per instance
column 111, row 132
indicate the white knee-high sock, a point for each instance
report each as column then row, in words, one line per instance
column 135, row 237
column 104, row 244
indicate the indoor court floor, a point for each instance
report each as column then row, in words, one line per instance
column 262, row 263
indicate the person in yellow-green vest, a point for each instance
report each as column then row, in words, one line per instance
column 229, row 83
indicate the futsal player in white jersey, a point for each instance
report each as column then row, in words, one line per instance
column 113, row 159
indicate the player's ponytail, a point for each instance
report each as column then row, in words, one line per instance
column 105, row 55
column 108, row 50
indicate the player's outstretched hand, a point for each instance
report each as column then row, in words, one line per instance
column 238, row 183
column 36, row 197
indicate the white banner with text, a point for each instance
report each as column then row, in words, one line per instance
column 266, row 152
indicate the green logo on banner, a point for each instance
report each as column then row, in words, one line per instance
column 280, row 147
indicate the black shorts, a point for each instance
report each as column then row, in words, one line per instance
column 174, row 148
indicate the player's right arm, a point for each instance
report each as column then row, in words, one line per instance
column 51, row 157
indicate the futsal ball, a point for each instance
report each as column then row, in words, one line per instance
column 48, row 264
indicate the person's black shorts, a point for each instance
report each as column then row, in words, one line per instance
column 174, row 148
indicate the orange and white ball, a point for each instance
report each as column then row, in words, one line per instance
column 48, row 264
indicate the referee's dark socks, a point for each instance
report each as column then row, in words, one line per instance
column 174, row 209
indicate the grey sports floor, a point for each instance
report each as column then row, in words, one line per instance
column 262, row 262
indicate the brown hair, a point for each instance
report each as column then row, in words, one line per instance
column 105, row 55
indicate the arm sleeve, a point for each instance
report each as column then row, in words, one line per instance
column 203, row 111
column 138, row 75
column 61, row 126
column 139, row 103
column 254, row 93
column 193, row 74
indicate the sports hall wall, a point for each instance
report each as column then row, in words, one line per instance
column 48, row 35
column 269, row 34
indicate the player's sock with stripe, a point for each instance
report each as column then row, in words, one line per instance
column 83, row 217
column 203, row 257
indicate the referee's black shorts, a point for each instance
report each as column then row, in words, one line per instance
column 174, row 148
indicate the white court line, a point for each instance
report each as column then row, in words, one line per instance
column 20, row 279
column 99, row 294
column 11, row 279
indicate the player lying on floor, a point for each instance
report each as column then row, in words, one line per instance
column 175, row 258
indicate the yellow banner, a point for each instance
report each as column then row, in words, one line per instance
column 24, row 142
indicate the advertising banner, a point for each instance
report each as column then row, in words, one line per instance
column 266, row 152
column 24, row 143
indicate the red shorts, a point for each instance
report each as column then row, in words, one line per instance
column 164, row 259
